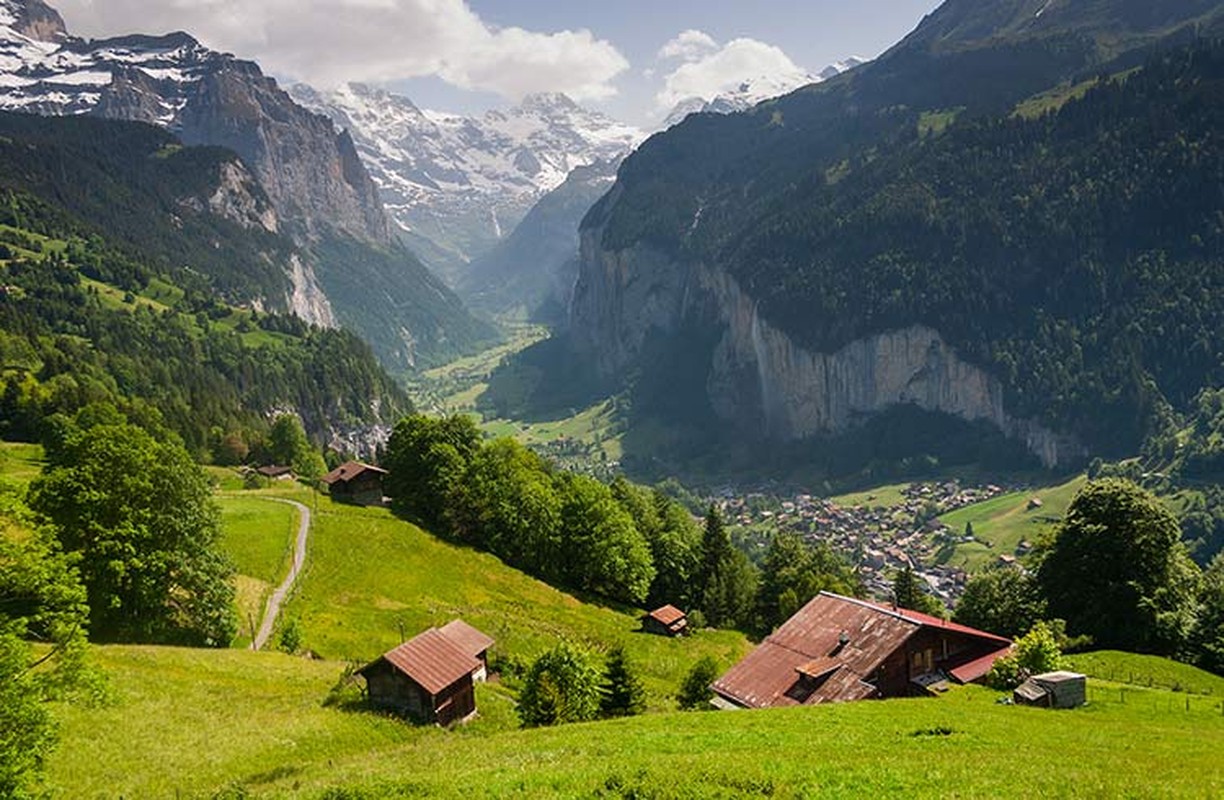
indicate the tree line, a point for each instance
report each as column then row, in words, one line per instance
column 623, row 542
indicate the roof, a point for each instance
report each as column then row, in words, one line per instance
column 466, row 638
column 806, row 660
column 974, row 669
column 274, row 470
column 667, row 615
column 349, row 470
column 431, row 659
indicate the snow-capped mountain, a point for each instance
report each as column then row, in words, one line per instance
column 459, row 184
column 204, row 96
column 754, row 90
column 324, row 200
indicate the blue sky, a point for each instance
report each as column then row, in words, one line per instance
column 467, row 56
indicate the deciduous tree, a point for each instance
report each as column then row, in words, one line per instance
column 562, row 685
column 1117, row 571
column 138, row 515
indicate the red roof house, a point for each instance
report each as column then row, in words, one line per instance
column 840, row 648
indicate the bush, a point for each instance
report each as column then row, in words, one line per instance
column 1034, row 653
column 695, row 693
column 561, row 686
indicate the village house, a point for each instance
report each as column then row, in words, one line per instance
column 666, row 621
column 355, row 482
column 841, row 648
column 430, row 678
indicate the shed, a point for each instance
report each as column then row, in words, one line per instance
column 355, row 482
column 666, row 621
column 1053, row 690
column 427, row 678
column 471, row 641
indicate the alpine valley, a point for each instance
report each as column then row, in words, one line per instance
column 1033, row 258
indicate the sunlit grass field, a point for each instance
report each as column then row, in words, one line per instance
column 1001, row 523
column 196, row 723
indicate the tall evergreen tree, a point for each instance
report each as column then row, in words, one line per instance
column 623, row 692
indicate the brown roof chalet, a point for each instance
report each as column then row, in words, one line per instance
column 834, row 648
column 431, row 659
column 466, row 638
column 667, row 615
column 349, row 470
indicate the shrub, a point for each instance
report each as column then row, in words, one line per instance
column 1035, row 652
column 695, row 690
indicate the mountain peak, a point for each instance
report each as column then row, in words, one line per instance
column 548, row 101
column 33, row 19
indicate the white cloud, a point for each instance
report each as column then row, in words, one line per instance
column 328, row 42
column 688, row 45
column 723, row 69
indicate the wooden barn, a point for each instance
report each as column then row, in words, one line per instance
column 355, row 482
column 471, row 641
column 839, row 648
column 427, row 678
column 666, row 621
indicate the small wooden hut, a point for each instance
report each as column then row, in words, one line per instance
column 427, row 678
column 355, row 482
column 666, row 621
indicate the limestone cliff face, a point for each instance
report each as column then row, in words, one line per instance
column 760, row 377
column 312, row 174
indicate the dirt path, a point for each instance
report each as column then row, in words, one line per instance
column 272, row 609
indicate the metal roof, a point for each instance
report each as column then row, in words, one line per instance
column 466, row 638
column 349, row 470
column 667, row 615
column 431, row 659
column 793, row 665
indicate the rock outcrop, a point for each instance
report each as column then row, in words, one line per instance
column 760, row 378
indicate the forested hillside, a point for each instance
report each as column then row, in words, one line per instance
column 98, row 304
column 1066, row 241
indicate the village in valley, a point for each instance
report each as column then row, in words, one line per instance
column 877, row 537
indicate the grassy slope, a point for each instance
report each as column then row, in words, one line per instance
column 368, row 573
column 888, row 496
column 1004, row 521
column 191, row 722
column 258, row 535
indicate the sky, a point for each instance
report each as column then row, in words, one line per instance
column 633, row 59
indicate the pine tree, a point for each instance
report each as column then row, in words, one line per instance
column 623, row 692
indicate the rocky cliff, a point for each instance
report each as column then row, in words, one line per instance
column 759, row 377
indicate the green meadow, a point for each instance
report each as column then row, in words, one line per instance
column 1002, row 523
column 236, row 724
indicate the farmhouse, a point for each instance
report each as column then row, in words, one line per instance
column 666, row 621
column 355, row 482
column 840, row 648
column 427, row 678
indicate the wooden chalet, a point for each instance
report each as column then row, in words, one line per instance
column 839, row 648
column 471, row 641
column 666, row 621
column 355, row 482
column 427, row 678
column 277, row 472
